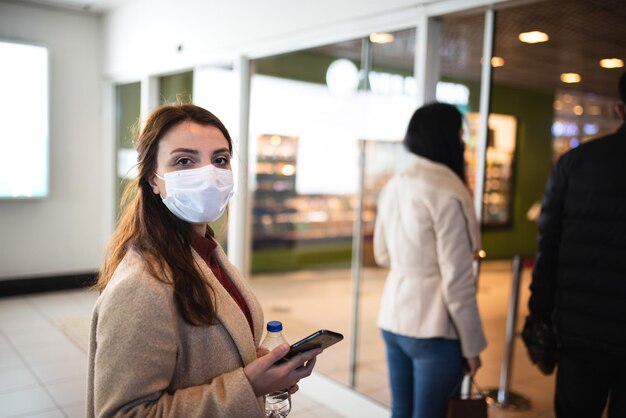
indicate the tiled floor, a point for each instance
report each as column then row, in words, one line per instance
column 43, row 359
column 42, row 373
column 314, row 300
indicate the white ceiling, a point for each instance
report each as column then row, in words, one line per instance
column 581, row 31
column 95, row 6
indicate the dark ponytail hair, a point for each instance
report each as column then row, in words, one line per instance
column 434, row 133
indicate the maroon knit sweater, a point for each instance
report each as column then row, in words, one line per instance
column 205, row 247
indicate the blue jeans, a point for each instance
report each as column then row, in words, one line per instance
column 423, row 373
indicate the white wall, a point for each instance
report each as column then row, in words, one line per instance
column 65, row 232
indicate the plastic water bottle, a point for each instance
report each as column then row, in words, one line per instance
column 277, row 404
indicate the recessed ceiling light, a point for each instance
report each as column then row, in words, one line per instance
column 578, row 110
column 381, row 37
column 611, row 63
column 570, row 78
column 533, row 37
column 497, row 61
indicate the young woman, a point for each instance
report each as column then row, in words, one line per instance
column 175, row 330
column 426, row 231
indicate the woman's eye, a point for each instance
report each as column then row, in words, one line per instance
column 183, row 161
column 221, row 160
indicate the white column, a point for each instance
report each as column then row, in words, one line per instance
column 149, row 97
column 109, row 148
column 240, row 207
column 485, row 101
column 427, row 69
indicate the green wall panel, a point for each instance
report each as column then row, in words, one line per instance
column 307, row 66
column 533, row 162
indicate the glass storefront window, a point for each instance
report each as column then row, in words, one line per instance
column 310, row 113
column 305, row 197
column 303, row 141
column 391, row 98
column 303, row 164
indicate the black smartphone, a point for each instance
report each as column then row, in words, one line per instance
column 322, row 338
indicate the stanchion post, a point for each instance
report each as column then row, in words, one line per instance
column 502, row 397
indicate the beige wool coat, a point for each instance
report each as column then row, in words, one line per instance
column 427, row 233
column 146, row 361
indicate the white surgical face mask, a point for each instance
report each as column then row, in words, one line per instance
column 198, row 195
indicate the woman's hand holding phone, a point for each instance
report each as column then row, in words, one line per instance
column 319, row 339
column 265, row 376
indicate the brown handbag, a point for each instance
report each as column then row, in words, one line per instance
column 473, row 407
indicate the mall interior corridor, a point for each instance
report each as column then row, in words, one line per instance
column 316, row 106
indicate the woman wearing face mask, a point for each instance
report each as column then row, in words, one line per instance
column 175, row 330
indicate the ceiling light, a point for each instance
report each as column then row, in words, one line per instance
column 533, row 37
column 497, row 62
column 611, row 63
column 570, row 78
column 578, row 110
column 381, row 37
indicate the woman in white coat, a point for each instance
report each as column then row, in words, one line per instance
column 426, row 232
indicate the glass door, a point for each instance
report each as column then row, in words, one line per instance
column 311, row 113
column 390, row 100
column 305, row 114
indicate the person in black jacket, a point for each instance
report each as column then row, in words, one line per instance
column 579, row 282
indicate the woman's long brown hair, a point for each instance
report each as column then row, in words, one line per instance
column 146, row 226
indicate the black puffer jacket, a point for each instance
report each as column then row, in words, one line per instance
column 579, row 279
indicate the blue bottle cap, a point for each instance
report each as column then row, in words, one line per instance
column 274, row 326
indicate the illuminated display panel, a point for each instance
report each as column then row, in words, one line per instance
column 24, row 123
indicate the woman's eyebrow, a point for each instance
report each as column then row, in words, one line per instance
column 221, row 150
column 185, row 150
